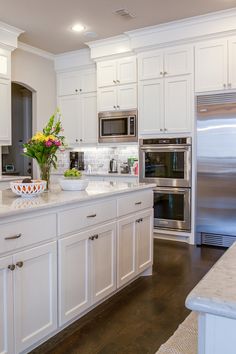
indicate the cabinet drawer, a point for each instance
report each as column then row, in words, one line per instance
column 135, row 202
column 75, row 219
column 26, row 232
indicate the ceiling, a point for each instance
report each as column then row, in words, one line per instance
column 47, row 23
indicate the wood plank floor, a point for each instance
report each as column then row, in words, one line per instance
column 144, row 315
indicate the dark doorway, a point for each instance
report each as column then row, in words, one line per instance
column 13, row 161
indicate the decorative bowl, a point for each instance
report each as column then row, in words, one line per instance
column 73, row 184
column 28, row 190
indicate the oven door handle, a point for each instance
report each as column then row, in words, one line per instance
column 165, row 148
column 172, row 189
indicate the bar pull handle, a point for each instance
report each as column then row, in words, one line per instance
column 91, row 216
column 138, row 203
column 13, row 237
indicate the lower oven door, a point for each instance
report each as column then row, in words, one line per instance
column 172, row 208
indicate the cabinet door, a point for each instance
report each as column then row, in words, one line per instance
column 71, row 120
column 35, row 294
column 178, row 61
column 126, row 70
column 6, row 307
column 68, row 83
column 88, row 106
column 127, row 96
column 211, row 65
column 103, row 261
column 178, row 104
column 126, row 250
column 5, row 64
column 144, row 240
column 151, row 107
column 73, row 276
column 106, row 73
column 232, row 62
column 5, row 112
column 150, row 65
column 107, row 99
column 88, row 82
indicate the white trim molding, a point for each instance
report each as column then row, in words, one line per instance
column 9, row 36
column 73, row 60
column 36, row 51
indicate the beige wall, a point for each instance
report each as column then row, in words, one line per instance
column 37, row 73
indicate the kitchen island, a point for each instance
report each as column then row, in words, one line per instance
column 63, row 253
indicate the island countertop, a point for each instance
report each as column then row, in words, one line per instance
column 10, row 204
column 216, row 292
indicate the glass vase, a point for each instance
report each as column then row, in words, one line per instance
column 45, row 169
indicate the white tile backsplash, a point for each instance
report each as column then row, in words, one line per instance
column 97, row 157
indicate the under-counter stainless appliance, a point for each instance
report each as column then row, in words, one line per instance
column 172, row 208
column 117, row 127
column 166, row 161
column 216, row 169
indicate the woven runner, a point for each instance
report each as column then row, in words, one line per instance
column 184, row 340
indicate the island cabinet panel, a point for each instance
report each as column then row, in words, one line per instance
column 6, row 306
column 74, row 289
column 35, row 294
column 26, row 232
column 103, row 262
column 72, row 220
column 135, row 202
column 134, row 246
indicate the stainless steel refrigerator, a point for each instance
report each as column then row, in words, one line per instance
column 216, row 169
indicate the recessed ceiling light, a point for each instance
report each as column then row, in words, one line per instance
column 78, row 28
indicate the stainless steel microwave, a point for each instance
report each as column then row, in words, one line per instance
column 118, row 127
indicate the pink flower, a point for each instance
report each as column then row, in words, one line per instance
column 57, row 143
column 48, row 143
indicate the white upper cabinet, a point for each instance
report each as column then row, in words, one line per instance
column 120, row 97
column 107, row 99
column 151, row 65
column 151, row 106
column 117, row 72
column 71, row 120
column 5, row 112
column 88, row 108
column 5, row 64
column 232, row 62
column 74, row 82
column 211, row 65
column 167, row 62
column 178, row 104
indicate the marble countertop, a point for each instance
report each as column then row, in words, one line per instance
column 11, row 204
column 6, row 178
column 102, row 174
column 216, row 292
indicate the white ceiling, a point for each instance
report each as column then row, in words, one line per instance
column 47, row 23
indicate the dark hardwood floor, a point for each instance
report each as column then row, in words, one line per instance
column 144, row 315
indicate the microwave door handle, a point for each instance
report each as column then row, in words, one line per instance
column 128, row 126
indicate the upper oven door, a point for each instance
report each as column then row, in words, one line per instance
column 168, row 166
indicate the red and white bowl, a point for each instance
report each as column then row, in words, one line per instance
column 28, row 190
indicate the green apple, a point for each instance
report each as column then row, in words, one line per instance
column 73, row 173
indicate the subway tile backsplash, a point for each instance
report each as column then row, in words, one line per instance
column 97, row 157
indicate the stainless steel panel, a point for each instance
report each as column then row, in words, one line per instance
column 216, row 165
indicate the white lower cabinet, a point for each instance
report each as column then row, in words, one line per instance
column 87, row 270
column 134, row 246
column 6, row 307
column 35, row 294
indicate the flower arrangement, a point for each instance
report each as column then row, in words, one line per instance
column 43, row 145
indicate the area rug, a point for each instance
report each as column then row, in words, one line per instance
column 184, row 340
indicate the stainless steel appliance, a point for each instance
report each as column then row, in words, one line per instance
column 113, row 166
column 117, row 127
column 172, row 208
column 77, row 160
column 166, row 162
column 216, row 169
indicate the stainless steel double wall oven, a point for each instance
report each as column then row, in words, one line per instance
column 167, row 163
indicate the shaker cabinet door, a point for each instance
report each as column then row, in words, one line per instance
column 107, row 99
column 127, row 96
column 106, row 73
column 144, row 241
column 5, row 112
column 126, row 70
column 88, row 107
column 151, row 65
column 71, row 120
column 178, row 61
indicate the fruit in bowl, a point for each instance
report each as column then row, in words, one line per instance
column 28, row 188
column 72, row 173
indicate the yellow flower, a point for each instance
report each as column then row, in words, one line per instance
column 39, row 137
column 50, row 137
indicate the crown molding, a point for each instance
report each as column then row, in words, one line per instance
column 74, row 60
column 116, row 45
column 9, row 36
column 36, row 51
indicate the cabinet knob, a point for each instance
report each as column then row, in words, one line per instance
column 76, row 140
column 165, row 130
column 118, row 81
column 96, row 236
column 114, row 107
column 229, row 84
column 80, row 139
column 165, row 73
column 118, row 106
column 11, row 267
column 76, row 90
column 161, row 72
column 224, row 85
column 91, row 238
column 161, row 130
column 19, row 264
column 114, row 81
column 80, row 90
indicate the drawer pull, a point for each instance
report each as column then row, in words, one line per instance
column 91, row 238
column 11, row 267
column 138, row 203
column 13, row 237
column 139, row 220
column 19, row 264
column 91, row 216
column 96, row 236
